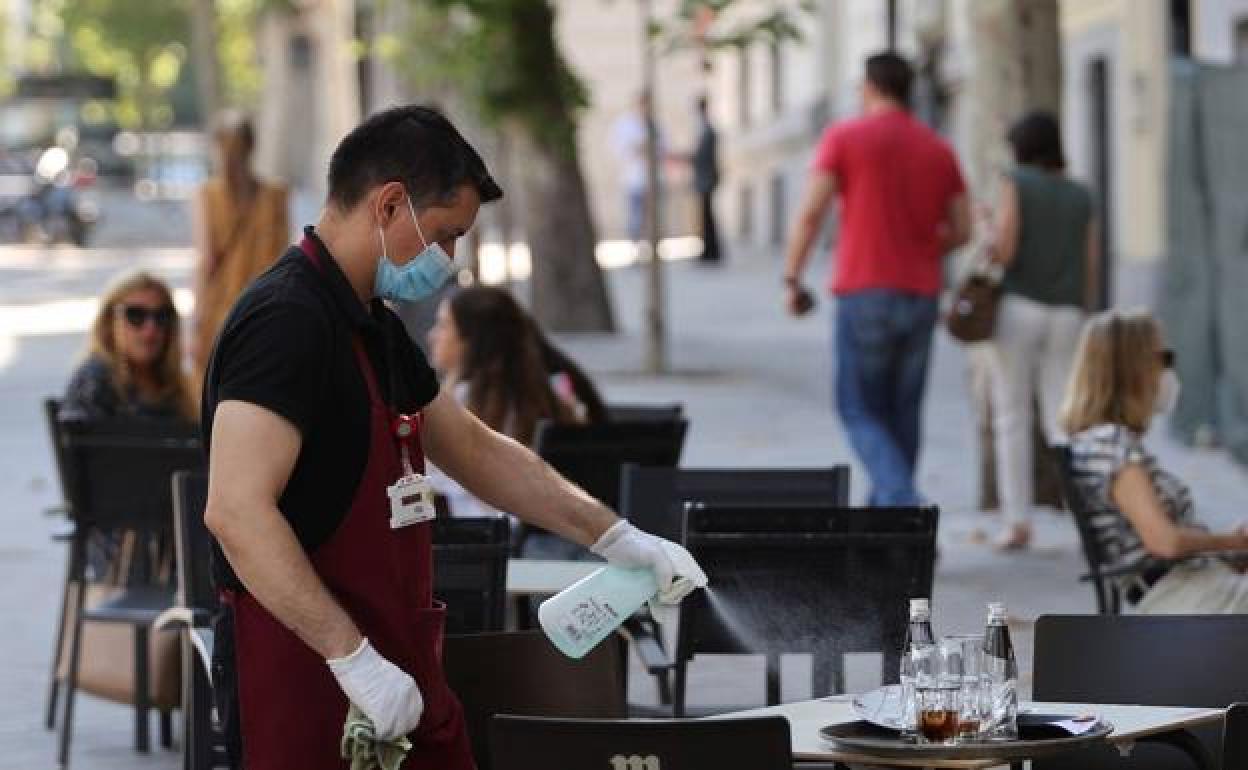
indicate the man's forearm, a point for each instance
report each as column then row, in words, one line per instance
column 269, row 560
column 534, row 491
column 801, row 242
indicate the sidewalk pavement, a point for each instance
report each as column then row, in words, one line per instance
column 754, row 383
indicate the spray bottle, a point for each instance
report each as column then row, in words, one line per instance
column 586, row 612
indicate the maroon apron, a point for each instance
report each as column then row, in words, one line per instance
column 291, row 710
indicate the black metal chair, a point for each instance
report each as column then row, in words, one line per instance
column 644, row 412
column 820, row 580
column 470, row 572
column 1152, row 660
column 654, row 499
column 520, row 672
column 117, row 478
column 593, row 455
column 1107, row 582
column 530, row 743
column 1235, row 737
column 202, row 746
column 51, row 414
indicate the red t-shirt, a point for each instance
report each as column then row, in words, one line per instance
column 895, row 179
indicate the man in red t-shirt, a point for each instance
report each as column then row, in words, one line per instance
column 903, row 207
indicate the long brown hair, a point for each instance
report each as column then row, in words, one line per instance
column 172, row 384
column 508, row 385
column 1115, row 374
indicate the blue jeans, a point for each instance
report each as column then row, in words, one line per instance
column 883, row 340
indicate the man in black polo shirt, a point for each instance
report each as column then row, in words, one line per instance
column 318, row 413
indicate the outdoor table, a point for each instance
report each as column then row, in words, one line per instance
column 542, row 577
column 1130, row 724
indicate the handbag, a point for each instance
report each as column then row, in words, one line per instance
column 973, row 313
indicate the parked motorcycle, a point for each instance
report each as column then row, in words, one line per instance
column 55, row 203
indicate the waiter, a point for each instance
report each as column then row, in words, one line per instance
column 318, row 413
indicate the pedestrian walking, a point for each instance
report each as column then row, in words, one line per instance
column 903, row 207
column 705, row 163
column 318, row 411
column 240, row 227
column 1046, row 241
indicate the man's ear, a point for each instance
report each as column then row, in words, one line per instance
column 388, row 198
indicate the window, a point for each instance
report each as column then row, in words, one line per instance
column 1241, row 40
column 777, row 77
column 1181, row 27
column 743, row 85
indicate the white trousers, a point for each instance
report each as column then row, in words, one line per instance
column 1029, row 358
column 1196, row 589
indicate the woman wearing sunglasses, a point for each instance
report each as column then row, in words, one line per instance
column 1143, row 514
column 133, row 365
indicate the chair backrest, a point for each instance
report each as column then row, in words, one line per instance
column 1235, row 737
column 470, row 572
column 520, row 672
column 1108, row 602
column 118, row 473
column 644, row 412
column 51, row 416
column 192, row 541
column 592, row 455
column 654, row 498
column 801, row 578
column 1153, row 660
column 530, row 743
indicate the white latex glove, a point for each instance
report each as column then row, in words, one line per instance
column 384, row 692
column 675, row 570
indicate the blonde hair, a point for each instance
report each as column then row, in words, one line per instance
column 173, row 385
column 1115, row 374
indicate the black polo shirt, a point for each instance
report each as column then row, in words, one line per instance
column 287, row 346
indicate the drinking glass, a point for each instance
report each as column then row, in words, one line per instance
column 937, row 690
column 968, row 649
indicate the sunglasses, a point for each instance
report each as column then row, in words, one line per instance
column 137, row 315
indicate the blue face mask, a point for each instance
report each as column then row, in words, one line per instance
column 421, row 277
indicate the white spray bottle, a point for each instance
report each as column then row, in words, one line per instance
column 580, row 616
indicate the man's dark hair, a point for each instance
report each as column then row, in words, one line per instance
column 414, row 145
column 1037, row 141
column 891, row 75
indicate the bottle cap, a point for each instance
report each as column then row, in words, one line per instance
column 996, row 610
column 920, row 608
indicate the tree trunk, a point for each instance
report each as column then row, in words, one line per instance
column 569, row 293
column 568, row 289
column 206, row 61
column 1014, row 66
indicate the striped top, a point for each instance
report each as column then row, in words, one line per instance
column 1097, row 455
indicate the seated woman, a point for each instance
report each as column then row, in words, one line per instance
column 1122, row 377
column 133, row 365
column 492, row 359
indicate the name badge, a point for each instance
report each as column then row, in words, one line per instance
column 411, row 501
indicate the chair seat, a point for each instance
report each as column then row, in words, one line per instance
column 138, row 606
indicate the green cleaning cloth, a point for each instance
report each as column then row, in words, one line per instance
column 360, row 745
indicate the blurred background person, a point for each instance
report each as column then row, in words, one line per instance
column 133, row 365
column 705, row 163
column 240, row 227
column 490, row 355
column 1046, row 242
column 628, row 139
column 1123, row 376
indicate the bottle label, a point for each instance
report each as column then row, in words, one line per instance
column 588, row 619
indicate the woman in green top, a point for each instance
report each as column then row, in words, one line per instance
column 1046, row 241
